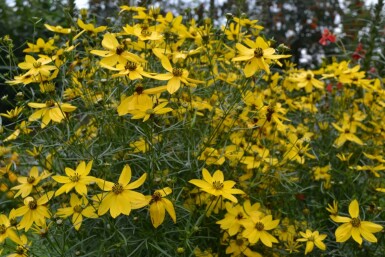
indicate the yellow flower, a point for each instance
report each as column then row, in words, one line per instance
column 30, row 182
column 333, row 209
column 41, row 46
column 175, row 76
column 78, row 179
column 22, row 248
column 258, row 56
column 240, row 247
column 132, row 70
column 145, row 111
column 354, row 227
column 37, row 67
column 305, row 79
column 119, row 197
column 233, row 218
column 88, row 27
column 215, row 185
column 140, row 97
column 34, row 211
column 311, row 239
column 50, row 111
column 79, row 208
column 14, row 113
column 58, row 29
column 347, row 133
column 256, row 227
column 158, row 204
column 115, row 52
column 7, row 230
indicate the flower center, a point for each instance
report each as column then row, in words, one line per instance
column 78, row 208
column 239, row 242
column 37, row 65
column 119, row 50
column 259, row 226
column 2, row 229
column 139, row 90
column 177, row 72
column 32, row 204
column 355, row 222
column 308, row 77
column 258, row 52
column 156, row 197
column 30, row 179
column 117, row 188
column 150, row 111
column 49, row 103
column 75, row 178
column 239, row 216
column 217, row 185
column 131, row 66
column 145, row 33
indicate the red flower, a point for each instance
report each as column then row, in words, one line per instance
column 359, row 52
column 327, row 36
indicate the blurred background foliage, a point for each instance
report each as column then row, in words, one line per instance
column 296, row 23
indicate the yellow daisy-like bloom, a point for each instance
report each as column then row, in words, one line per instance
column 258, row 56
column 145, row 111
column 79, row 208
column 306, row 79
column 256, row 228
column 240, row 247
column 50, row 111
column 41, row 46
column 22, row 248
column 215, row 185
column 175, row 76
column 77, row 179
column 34, row 211
column 88, row 27
column 354, row 227
column 14, row 113
column 58, row 29
column 159, row 204
column 347, row 133
column 311, row 239
column 7, row 230
column 115, row 52
column 37, row 67
column 233, row 218
column 120, row 197
column 30, row 182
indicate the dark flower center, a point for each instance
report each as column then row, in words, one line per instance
column 217, row 185
column 2, row 229
column 355, row 222
column 258, row 52
column 131, row 66
column 30, row 179
column 156, row 197
column 37, row 65
column 119, row 50
column 32, row 205
column 259, row 226
column 239, row 242
column 78, row 208
column 117, row 188
column 75, row 178
column 177, row 72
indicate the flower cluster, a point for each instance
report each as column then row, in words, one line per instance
column 162, row 135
